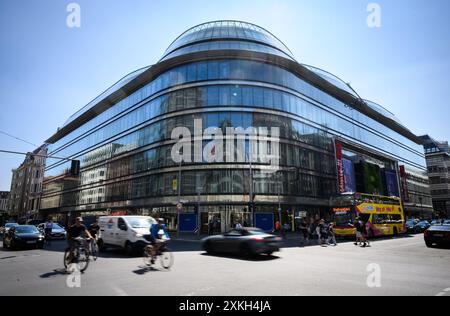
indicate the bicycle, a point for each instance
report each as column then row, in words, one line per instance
column 81, row 255
column 164, row 254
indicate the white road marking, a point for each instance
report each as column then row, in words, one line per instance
column 444, row 292
column 119, row 291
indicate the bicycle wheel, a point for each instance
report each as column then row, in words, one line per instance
column 147, row 257
column 83, row 259
column 94, row 250
column 166, row 259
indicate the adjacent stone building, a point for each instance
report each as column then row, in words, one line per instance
column 26, row 186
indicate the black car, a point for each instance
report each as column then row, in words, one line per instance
column 23, row 236
column 422, row 226
column 437, row 235
column 411, row 225
column 243, row 241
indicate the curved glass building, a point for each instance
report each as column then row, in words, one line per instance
column 229, row 74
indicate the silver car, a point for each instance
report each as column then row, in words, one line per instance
column 243, row 241
column 58, row 232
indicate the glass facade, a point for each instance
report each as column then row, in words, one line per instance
column 125, row 150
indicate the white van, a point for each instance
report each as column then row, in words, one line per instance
column 128, row 232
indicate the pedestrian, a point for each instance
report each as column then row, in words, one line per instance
column 304, row 232
column 365, row 235
column 358, row 227
column 211, row 227
column 284, row 230
column 331, row 235
column 322, row 233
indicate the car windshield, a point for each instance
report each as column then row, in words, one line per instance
column 56, row 226
column 141, row 222
column 26, row 230
column 9, row 225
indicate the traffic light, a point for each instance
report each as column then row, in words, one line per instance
column 75, row 168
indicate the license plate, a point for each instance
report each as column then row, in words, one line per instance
column 31, row 242
column 438, row 235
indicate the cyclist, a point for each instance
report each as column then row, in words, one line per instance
column 94, row 230
column 48, row 228
column 75, row 231
column 159, row 234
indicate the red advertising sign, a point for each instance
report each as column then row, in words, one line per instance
column 340, row 167
column 404, row 182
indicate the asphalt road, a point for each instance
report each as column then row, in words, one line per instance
column 403, row 266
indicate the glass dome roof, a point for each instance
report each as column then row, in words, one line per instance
column 228, row 30
column 334, row 80
column 382, row 110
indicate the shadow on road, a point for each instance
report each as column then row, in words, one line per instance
column 54, row 273
column 144, row 270
column 259, row 258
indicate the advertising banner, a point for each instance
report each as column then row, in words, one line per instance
column 391, row 183
column 340, row 167
column 349, row 175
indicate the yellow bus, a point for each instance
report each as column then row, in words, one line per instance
column 384, row 215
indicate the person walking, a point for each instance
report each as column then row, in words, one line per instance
column 358, row 227
column 211, row 228
column 304, row 232
column 322, row 233
column 331, row 235
column 365, row 235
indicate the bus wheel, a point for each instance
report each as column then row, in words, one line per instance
column 395, row 232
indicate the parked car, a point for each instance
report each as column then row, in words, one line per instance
column 437, row 235
column 58, row 232
column 23, row 236
column 422, row 226
column 131, row 233
column 411, row 226
column 447, row 222
column 243, row 241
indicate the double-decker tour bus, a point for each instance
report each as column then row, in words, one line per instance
column 384, row 215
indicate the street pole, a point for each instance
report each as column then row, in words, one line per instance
column 179, row 198
column 199, row 217
column 279, row 201
column 250, row 157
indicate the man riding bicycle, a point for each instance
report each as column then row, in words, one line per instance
column 158, row 236
column 48, row 228
column 75, row 231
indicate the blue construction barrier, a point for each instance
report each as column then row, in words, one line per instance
column 265, row 221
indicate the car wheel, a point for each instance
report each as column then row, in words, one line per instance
column 269, row 253
column 101, row 245
column 429, row 244
column 209, row 247
column 129, row 250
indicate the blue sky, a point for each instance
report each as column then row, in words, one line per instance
column 48, row 71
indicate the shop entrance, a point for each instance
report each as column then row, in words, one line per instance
column 218, row 220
